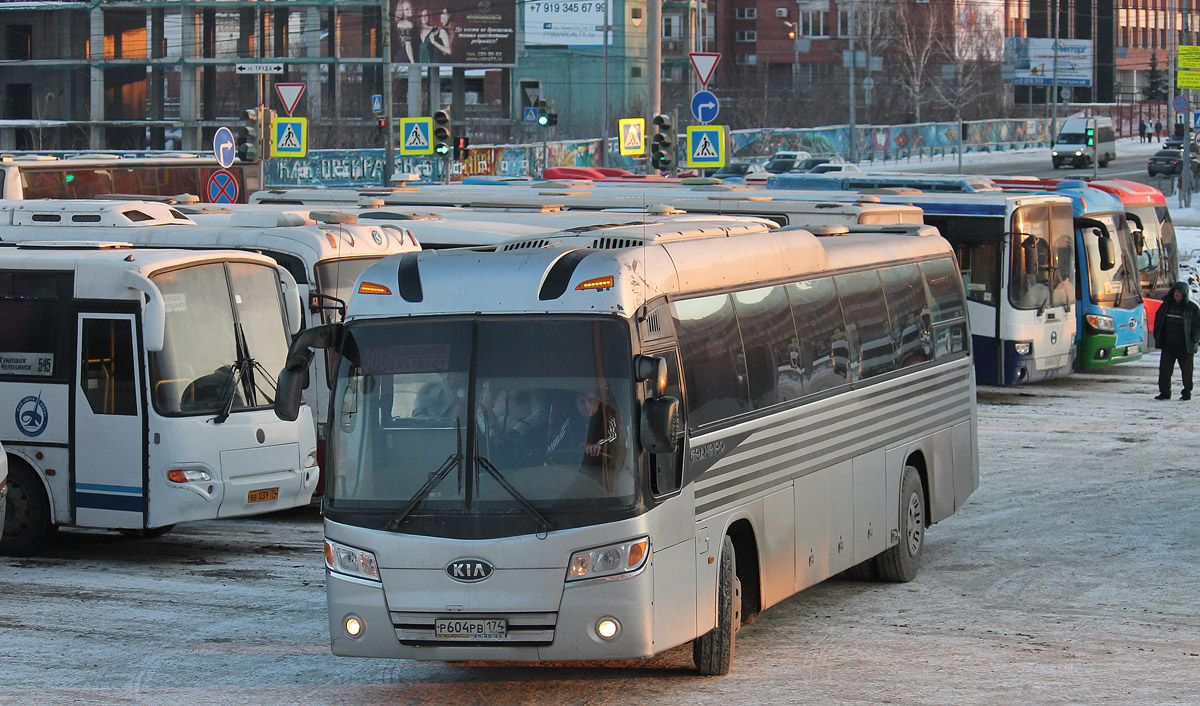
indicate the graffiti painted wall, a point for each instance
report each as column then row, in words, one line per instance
column 364, row 168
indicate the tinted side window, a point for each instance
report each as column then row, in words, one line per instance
column 714, row 366
column 949, row 309
column 824, row 350
column 772, row 353
column 945, row 292
column 863, row 305
column 909, row 313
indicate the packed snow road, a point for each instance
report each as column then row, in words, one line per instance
column 1069, row 577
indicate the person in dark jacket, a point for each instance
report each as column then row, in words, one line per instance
column 1177, row 335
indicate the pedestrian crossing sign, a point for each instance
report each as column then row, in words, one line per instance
column 416, row 136
column 706, row 145
column 289, row 137
column 633, row 136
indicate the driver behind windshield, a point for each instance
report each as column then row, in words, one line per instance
column 591, row 437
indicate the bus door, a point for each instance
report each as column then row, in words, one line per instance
column 108, row 449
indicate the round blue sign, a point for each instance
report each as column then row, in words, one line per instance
column 1180, row 103
column 705, row 106
column 222, row 187
column 224, row 147
column 32, row 416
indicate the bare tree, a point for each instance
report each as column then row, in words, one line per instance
column 970, row 56
column 917, row 29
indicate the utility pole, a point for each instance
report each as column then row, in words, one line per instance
column 389, row 164
column 1054, row 79
column 654, row 58
column 606, row 28
column 850, row 28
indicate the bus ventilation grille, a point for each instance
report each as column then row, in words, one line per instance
column 527, row 245
column 615, row 243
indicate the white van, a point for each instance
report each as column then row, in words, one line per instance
column 1071, row 145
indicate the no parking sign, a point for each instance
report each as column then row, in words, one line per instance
column 222, row 187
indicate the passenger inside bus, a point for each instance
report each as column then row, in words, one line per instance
column 443, row 398
column 591, row 437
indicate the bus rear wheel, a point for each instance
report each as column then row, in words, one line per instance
column 901, row 563
column 27, row 515
column 713, row 651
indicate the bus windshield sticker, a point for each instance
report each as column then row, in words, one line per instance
column 427, row 358
column 175, row 302
column 41, row 364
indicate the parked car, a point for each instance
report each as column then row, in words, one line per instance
column 834, row 168
column 786, row 161
column 741, row 171
column 1170, row 162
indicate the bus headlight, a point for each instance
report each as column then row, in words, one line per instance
column 358, row 563
column 1023, row 347
column 608, row 561
column 1100, row 324
column 188, row 476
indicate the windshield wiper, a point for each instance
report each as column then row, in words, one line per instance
column 243, row 371
column 434, row 478
column 543, row 523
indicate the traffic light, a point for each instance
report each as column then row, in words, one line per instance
column 1090, row 132
column 250, row 136
column 543, row 108
column 662, row 147
column 383, row 125
column 462, row 147
column 441, row 132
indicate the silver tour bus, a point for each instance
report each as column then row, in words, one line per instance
column 619, row 441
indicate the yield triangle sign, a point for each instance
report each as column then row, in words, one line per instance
column 704, row 63
column 289, row 94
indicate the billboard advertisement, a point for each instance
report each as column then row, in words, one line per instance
column 454, row 32
column 571, row 23
column 1031, row 62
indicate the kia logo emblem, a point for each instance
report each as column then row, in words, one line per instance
column 469, row 570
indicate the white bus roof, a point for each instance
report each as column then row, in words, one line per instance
column 616, row 271
column 732, row 199
column 100, row 267
column 311, row 235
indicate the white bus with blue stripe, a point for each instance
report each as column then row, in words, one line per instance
column 137, row 388
column 618, row 441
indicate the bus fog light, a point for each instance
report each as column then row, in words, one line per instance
column 608, row 628
column 354, row 626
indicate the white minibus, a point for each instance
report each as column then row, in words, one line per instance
column 138, row 386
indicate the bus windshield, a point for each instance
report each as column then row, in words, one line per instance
column 336, row 278
column 225, row 336
column 482, row 427
column 1116, row 286
column 1042, row 272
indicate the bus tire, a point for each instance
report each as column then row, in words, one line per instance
column 27, row 518
column 713, row 651
column 900, row 563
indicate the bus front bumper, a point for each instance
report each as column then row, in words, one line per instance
column 569, row 633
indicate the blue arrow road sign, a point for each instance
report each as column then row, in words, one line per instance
column 377, row 103
column 705, row 106
column 224, row 148
column 530, row 115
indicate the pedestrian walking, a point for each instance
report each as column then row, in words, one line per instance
column 1157, row 128
column 1177, row 335
column 1141, row 131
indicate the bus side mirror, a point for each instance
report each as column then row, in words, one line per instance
column 1029, row 245
column 1138, row 232
column 289, row 389
column 652, row 370
column 291, row 300
column 154, row 315
column 1107, row 256
column 660, row 425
